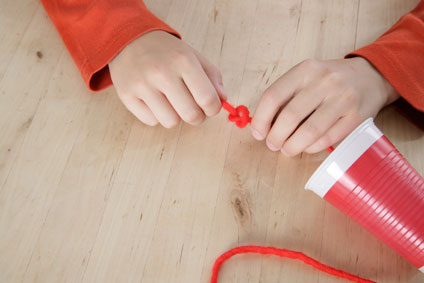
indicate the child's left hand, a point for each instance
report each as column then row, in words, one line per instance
column 318, row 103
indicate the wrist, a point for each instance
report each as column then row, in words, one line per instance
column 389, row 94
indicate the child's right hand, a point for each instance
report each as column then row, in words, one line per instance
column 318, row 103
column 159, row 78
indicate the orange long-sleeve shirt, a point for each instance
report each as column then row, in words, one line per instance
column 95, row 31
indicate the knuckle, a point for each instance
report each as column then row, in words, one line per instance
column 132, row 86
column 139, row 87
column 311, row 131
column 350, row 97
column 333, row 78
column 125, row 96
column 159, row 73
column 183, row 57
column 270, row 96
column 291, row 115
column 310, row 64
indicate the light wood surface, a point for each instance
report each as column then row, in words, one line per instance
column 89, row 194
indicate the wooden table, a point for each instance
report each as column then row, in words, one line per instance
column 89, row 194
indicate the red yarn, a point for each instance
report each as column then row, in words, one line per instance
column 239, row 115
column 282, row 253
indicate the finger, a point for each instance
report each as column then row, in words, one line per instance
column 278, row 94
column 292, row 115
column 140, row 110
column 202, row 89
column 314, row 127
column 183, row 102
column 336, row 133
column 213, row 74
column 162, row 109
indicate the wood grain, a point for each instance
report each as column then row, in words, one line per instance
column 89, row 194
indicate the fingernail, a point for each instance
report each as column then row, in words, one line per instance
column 271, row 146
column 284, row 152
column 257, row 135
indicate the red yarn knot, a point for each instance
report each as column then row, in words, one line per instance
column 238, row 115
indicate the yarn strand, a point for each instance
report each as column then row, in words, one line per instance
column 283, row 253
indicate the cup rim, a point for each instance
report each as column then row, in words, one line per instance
column 321, row 181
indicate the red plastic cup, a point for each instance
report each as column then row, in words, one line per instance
column 372, row 183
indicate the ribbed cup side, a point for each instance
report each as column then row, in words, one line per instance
column 384, row 194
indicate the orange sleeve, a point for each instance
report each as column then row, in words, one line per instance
column 399, row 56
column 95, row 31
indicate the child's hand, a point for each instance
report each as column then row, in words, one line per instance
column 161, row 79
column 318, row 103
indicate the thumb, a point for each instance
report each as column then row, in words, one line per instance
column 213, row 74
